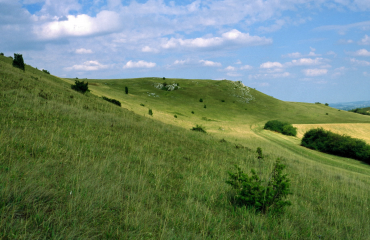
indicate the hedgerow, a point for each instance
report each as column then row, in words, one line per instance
column 281, row 127
column 336, row 144
column 114, row 101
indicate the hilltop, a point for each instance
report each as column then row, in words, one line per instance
column 76, row 166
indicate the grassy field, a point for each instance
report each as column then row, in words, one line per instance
column 74, row 166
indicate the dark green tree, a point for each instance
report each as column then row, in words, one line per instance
column 126, row 90
column 81, row 87
column 18, row 61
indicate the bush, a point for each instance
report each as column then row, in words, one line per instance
column 222, row 100
column 1, row 54
column 18, row 61
column 199, row 128
column 80, row 86
column 201, row 100
column 114, row 101
column 336, row 144
column 281, row 127
column 142, row 105
column 126, row 90
column 259, row 152
column 251, row 191
column 360, row 111
column 150, row 112
column 175, row 116
column 45, row 71
column 192, row 112
column 205, row 106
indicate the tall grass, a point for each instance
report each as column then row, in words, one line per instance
column 74, row 166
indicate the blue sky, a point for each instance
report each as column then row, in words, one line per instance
column 294, row 50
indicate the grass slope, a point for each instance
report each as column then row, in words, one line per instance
column 74, row 166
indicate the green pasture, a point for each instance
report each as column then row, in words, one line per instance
column 75, row 166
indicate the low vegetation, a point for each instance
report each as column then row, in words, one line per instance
column 264, row 196
column 360, row 111
column 18, row 61
column 281, row 127
column 80, row 86
column 199, row 128
column 340, row 145
column 114, row 101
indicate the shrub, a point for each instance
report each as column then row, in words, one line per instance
column 340, row 145
column 114, row 101
column 201, row 100
column 45, row 71
column 1, row 54
column 251, row 191
column 150, row 112
column 80, row 86
column 326, row 104
column 281, row 127
column 142, row 105
column 18, row 61
column 126, row 90
column 360, row 111
column 192, row 112
column 164, row 78
column 199, row 128
column 259, row 152
column 222, row 100
column 175, row 116
column 205, row 106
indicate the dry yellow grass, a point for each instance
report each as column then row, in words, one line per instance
column 355, row 130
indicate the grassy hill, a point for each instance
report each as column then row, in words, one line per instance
column 74, row 166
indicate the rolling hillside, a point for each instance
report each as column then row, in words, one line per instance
column 75, row 166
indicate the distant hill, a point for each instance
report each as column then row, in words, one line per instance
column 350, row 105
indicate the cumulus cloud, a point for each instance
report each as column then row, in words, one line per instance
column 210, row 63
column 227, row 39
column 88, row 66
column 359, row 62
column 365, row 40
column 271, row 65
column 230, row 68
column 361, row 53
column 80, row 25
column 83, row 51
column 149, row 49
column 305, row 62
column 315, row 72
column 246, row 67
column 269, row 75
column 139, row 64
column 345, row 41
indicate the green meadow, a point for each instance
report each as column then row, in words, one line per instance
column 74, row 166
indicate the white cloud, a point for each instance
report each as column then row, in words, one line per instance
column 274, row 27
column 365, row 40
column 315, row 72
column 305, row 62
column 339, row 71
column 139, row 64
column 234, row 74
column 238, row 62
column 80, row 25
column 88, row 66
column 83, row 51
column 149, row 49
column 360, row 62
column 342, row 29
column 210, row 63
column 293, row 55
column 227, row 39
column 345, row 41
column 246, row 67
column 362, row 53
column 271, row 65
column 269, row 75
column 331, row 53
column 180, row 62
column 230, row 68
